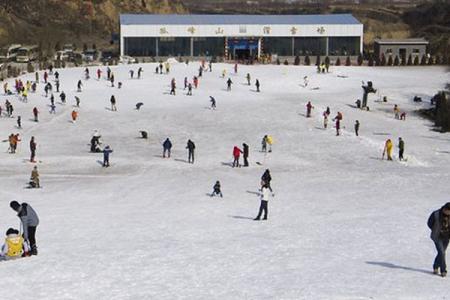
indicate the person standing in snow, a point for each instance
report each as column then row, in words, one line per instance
column 140, row 72
column 257, row 85
column 131, row 74
column 396, row 112
column 189, row 93
column 36, row 114
column 229, row 82
column 338, row 119
column 79, row 85
column 74, row 116
column 245, row 154
column 236, row 154
column 113, row 103
column 235, row 68
column 106, row 152
column 388, row 149
column 185, row 82
column 29, row 220
column 172, row 86
column 99, row 74
column 266, row 178
column 195, row 80
column 32, row 149
column 264, row 144
column 216, row 190
column 439, row 223
column 309, row 107
column 265, row 194
column 248, row 79
column 357, row 128
column 325, row 119
column 111, row 78
column 213, row 102
column 34, row 178
column 167, row 146
column 401, row 148
column 62, row 96
column 19, row 121
column 191, row 147
column 305, row 81
column 77, row 101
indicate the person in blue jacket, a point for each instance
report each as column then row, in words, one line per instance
column 106, row 153
column 439, row 223
column 167, row 146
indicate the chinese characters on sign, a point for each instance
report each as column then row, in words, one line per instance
column 163, row 30
column 320, row 30
column 191, row 30
column 266, row 29
column 294, row 30
column 219, row 30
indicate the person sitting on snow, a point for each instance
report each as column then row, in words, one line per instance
column 216, row 190
column 14, row 247
column 34, row 178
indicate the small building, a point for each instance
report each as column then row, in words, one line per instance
column 239, row 36
column 402, row 48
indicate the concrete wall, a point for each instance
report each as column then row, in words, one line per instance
column 395, row 50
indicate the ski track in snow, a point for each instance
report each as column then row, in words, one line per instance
column 343, row 224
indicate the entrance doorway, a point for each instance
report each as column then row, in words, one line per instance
column 243, row 48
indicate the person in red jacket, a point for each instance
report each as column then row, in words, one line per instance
column 99, row 74
column 236, row 154
column 308, row 109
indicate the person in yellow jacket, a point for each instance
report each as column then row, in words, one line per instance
column 14, row 246
column 388, row 149
column 269, row 141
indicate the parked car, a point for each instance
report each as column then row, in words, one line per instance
column 127, row 60
column 90, row 55
column 108, row 56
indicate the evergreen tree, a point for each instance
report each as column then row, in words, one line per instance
column 348, row 61
column 307, row 60
column 396, row 61
column 430, row 61
column 416, row 60
column 360, row 59
column 389, row 62
column 297, row 60
column 423, row 61
column 383, row 60
column 338, row 61
column 409, row 62
column 318, row 60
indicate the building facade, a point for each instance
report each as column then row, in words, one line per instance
column 237, row 36
column 402, row 48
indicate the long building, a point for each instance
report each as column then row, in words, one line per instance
column 239, row 36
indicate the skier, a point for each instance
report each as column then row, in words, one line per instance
column 34, row 178
column 439, row 223
column 388, row 149
column 236, row 154
column 32, row 149
column 29, row 220
column 305, row 81
column 191, row 147
column 79, row 85
column 35, row 114
column 396, row 112
column 19, row 122
column 15, row 246
column 213, row 102
column 338, row 119
column 74, row 116
column 167, row 146
column 248, row 79
column 401, row 148
column 11, row 143
column 266, row 178
column 325, row 119
column 309, row 107
column 357, row 128
column 264, row 201
column 245, row 154
column 216, row 190
column 229, row 82
column 62, row 96
column 113, row 103
column 257, row 85
column 140, row 72
column 106, row 152
column 172, row 87
column 264, row 144
column 358, row 103
column 167, row 67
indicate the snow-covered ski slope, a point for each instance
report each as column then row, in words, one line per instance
column 343, row 224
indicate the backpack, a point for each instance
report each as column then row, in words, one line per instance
column 15, row 246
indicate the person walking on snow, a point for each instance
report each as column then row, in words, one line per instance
column 172, row 86
column 396, row 112
column 213, row 102
column 19, row 121
column 264, row 144
column 191, row 147
column 29, row 220
column 99, row 74
column 338, row 119
column 305, row 81
column 236, row 154
column 131, row 74
column 106, row 152
column 309, row 107
column 388, row 149
column 216, row 190
column 248, row 79
column 113, row 103
column 245, row 154
column 77, row 101
column 265, row 194
column 36, row 114
column 140, row 71
column 229, row 82
column 32, row 149
column 185, row 82
column 257, row 85
column 401, row 148
column 167, row 146
column 74, row 116
column 357, row 128
column 189, row 93
column 439, row 223
column 325, row 119
column 195, row 80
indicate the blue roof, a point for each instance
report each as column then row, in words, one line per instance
column 149, row 19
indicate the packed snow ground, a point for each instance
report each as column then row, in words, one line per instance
column 343, row 224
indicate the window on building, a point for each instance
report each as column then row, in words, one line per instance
column 389, row 51
column 416, row 51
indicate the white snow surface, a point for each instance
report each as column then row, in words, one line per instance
column 343, row 224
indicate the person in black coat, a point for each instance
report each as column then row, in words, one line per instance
column 439, row 223
column 266, row 178
column 245, row 150
column 167, row 146
column 191, row 147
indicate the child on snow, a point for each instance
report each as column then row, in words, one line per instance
column 216, row 190
column 14, row 246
